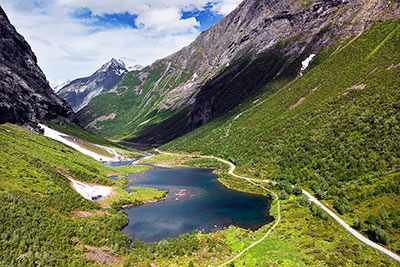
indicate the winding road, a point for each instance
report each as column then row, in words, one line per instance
column 311, row 198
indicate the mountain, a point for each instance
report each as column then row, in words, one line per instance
column 135, row 67
column 334, row 130
column 226, row 64
column 60, row 86
column 26, row 97
column 79, row 92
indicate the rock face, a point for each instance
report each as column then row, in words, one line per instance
column 79, row 92
column 26, row 97
column 232, row 60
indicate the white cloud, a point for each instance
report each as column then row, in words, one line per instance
column 226, row 6
column 68, row 48
column 166, row 19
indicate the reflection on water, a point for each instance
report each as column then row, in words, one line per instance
column 196, row 200
column 119, row 163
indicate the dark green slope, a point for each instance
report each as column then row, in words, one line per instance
column 335, row 130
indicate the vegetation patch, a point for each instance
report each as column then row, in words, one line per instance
column 121, row 198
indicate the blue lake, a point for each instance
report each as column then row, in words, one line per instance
column 119, row 163
column 196, row 200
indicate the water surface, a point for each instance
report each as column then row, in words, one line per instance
column 119, row 163
column 196, row 200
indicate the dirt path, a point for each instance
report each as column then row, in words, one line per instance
column 233, row 167
column 311, row 198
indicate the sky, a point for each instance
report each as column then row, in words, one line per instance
column 73, row 38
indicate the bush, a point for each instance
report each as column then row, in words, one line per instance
column 283, row 195
column 319, row 212
column 358, row 224
column 342, row 206
column 297, row 190
column 371, row 219
column 379, row 234
column 304, row 201
column 285, row 186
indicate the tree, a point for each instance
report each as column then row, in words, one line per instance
column 283, row 195
column 298, row 190
column 358, row 224
column 286, row 186
column 304, row 201
column 383, row 213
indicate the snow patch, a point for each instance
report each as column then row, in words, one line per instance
column 61, row 86
column 90, row 192
column 136, row 67
column 63, row 138
column 306, row 63
column 120, row 72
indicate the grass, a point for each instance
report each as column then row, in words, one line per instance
column 124, row 170
column 301, row 239
column 90, row 141
column 37, row 202
column 341, row 143
column 137, row 101
column 121, row 197
column 47, row 233
column 72, row 129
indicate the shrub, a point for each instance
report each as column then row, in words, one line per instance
column 304, row 201
column 285, row 186
column 357, row 223
column 379, row 234
column 297, row 190
column 283, row 195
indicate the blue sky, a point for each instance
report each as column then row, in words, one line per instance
column 73, row 38
column 205, row 16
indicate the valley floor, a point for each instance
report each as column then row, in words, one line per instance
column 307, row 194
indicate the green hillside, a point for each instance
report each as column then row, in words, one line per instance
column 335, row 131
column 37, row 225
column 137, row 101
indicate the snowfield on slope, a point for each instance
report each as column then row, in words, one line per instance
column 63, row 138
column 90, row 192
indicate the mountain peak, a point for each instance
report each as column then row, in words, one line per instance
column 80, row 91
column 117, row 64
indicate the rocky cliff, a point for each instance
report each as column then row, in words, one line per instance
column 79, row 92
column 235, row 58
column 26, row 97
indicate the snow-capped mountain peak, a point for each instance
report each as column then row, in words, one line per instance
column 116, row 65
column 79, row 92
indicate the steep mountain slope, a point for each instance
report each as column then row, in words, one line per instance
column 79, row 92
column 26, row 97
column 224, row 65
column 335, row 130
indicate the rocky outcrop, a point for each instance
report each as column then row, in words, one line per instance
column 79, row 92
column 232, row 60
column 26, row 97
